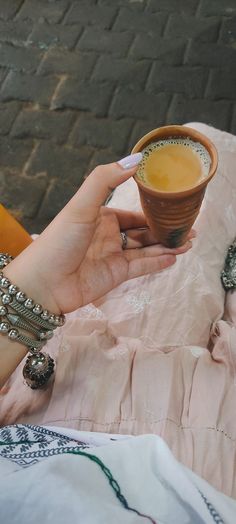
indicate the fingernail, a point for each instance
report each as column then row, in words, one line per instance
column 130, row 161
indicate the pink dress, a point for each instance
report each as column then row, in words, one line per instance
column 154, row 355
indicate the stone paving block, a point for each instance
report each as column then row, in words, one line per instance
column 20, row 59
column 211, row 55
column 228, row 32
column 176, row 6
column 104, row 41
column 8, row 113
column 233, row 123
column 203, row 29
column 102, row 156
column 14, row 32
column 63, row 163
column 85, row 96
column 136, row 5
column 139, row 105
column 52, row 11
column 14, row 153
column 137, row 21
column 22, row 193
column 121, row 71
column 221, row 7
column 9, row 8
column 86, row 14
column 168, row 50
column 102, row 133
column 28, row 88
column 3, row 74
column 184, row 110
column 178, row 79
column 222, row 84
column 51, row 125
column 33, row 225
column 46, row 35
column 58, row 61
column 57, row 196
column 141, row 128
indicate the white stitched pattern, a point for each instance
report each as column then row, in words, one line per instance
column 90, row 311
column 139, row 301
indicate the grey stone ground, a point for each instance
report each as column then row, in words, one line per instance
column 81, row 80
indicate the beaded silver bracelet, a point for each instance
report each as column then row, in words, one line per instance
column 17, row 311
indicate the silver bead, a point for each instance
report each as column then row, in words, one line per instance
column 13, row 334
column 37, row 309
column 12, row 290
column 45, row 335
column 45, row 314
column 4, row 259
column 57, row 321
column 3, row 311
column 6, row 299
column 20, row 296
column 51, row 319
column 29, row 303
column 4, row 327
column 5, row 282
column 62, row 320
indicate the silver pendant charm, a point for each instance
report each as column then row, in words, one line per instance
column 38, row 369
column 228, row 274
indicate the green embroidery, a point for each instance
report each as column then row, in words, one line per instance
column 112, row 481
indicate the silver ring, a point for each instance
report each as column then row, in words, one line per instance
column 124, row 239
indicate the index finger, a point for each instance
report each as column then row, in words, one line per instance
column 98, row 185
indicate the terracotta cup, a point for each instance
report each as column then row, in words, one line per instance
column 170, row 216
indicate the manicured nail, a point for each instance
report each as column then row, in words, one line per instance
column 130, row 161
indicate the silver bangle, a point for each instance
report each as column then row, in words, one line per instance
column 17, row 311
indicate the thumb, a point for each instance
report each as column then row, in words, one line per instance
column 99, row 184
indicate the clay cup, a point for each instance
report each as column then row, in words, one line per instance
column 170, row 216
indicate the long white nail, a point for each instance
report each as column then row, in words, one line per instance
column 130, row 161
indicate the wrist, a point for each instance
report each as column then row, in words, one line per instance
column 24, row 272
column 25, row 321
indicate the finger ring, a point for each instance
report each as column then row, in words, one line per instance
column 123, row 239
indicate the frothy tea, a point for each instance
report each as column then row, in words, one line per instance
column 174, row 164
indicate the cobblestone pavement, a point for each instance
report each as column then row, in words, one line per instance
column 81, row 80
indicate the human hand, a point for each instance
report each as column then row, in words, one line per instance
column 79, row 257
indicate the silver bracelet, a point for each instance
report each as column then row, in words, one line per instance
column 17, row 311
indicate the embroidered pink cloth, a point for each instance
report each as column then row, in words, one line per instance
column 154, row 355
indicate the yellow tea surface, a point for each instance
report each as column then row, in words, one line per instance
column 173, row 168
column 174, row 165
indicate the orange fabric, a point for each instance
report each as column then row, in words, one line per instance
column 13, row 237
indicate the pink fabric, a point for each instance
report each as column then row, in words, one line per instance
column 154, row 355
